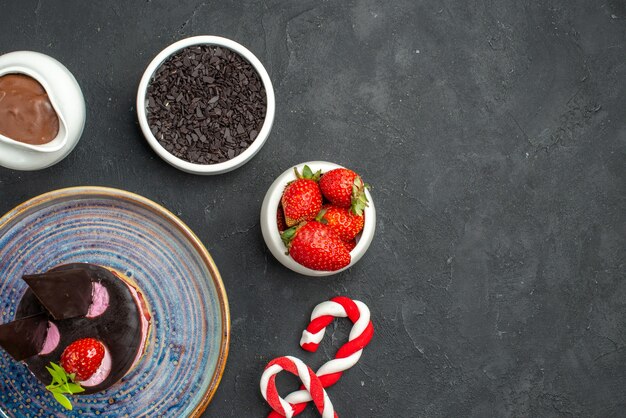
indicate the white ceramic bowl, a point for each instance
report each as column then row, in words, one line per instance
column 225, row 166
column 67, row 100
column 271, row 235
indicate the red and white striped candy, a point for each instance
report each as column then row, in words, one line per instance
column 347, row 356
column 309, row 380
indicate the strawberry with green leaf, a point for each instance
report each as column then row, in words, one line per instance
column 316, row 246
column 83, row 358
column 302, row 198
column 344, row 188
column 79, row 361
column 345, row 223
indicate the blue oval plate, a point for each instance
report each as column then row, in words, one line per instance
column 188, row 342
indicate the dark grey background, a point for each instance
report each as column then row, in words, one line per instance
column 493, row 133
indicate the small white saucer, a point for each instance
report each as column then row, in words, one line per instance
column 68, row 101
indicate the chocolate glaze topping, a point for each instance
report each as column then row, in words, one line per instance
column 24, row 337
column 118, row 328
column 26, row 113
column 64, row 293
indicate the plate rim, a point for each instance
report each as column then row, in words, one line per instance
column 183, row 228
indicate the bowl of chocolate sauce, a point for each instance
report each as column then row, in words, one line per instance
column 42, row 111
column 27, row 116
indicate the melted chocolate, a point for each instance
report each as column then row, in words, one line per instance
column 119, row 327
column 24, row 337
column 26, row 113
column 64, row 293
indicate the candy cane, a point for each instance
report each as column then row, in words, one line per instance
column 309, row 380
column 347, row 356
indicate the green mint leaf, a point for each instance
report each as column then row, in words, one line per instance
column 53, row 389
column 59, row 373
column 61, row 378
column 74, row 388
column 56, row 376
column 62, row 399
column 57, row 367
column 53, row 374
column 62, row 383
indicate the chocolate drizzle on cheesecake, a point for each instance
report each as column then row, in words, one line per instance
column 118, row 328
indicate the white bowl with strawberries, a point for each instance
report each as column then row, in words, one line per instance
column 318, row 218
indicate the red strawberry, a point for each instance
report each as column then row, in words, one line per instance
column 82, row 357
column 280, row 219
column 350, row 244
column 343, row 221
column 302, row 199
column 316, row 246
column 344, row 188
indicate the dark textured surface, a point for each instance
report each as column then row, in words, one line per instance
column 494, row 136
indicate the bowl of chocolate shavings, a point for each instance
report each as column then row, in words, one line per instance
column 206, row 105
